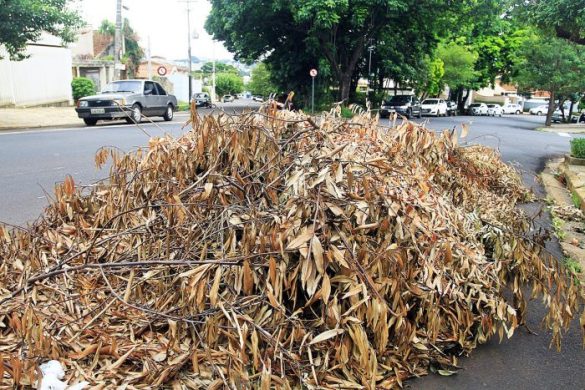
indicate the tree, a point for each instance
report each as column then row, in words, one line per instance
column 294, row 33
column 431, row 79
column 228, row 83
column 134, row 53
column 260, row 83
column 552, row 65
column 459, row 63
column 220, row 67
column 24, row 21
column 563, row 18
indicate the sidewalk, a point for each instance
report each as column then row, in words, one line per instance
column 28, row 118
column 564, row 128
column 39, row 117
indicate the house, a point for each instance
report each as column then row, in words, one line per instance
column 173, row 77
column 93, row 55
column 44, row 78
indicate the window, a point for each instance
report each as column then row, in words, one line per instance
column 160, row 89
column 149, row 88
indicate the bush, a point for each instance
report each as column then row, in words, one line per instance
column 346, row 113
column 183, row 106
column 578, row 147
column 81, row 87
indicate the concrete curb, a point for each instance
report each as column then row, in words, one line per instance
column 575, row 179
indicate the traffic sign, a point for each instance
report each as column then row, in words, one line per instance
column 162, row 71
column 313, row 72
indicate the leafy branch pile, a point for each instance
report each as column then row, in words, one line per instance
column 275, row 250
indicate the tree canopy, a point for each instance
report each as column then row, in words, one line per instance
column 295, row 36
column 260, row 83
column 552, row 65
column 228, row 83
column 563, row 18
column 23, row 22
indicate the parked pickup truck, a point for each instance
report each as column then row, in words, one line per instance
column 129, row 100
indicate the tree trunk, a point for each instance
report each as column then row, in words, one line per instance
column 345, row 86
column 551, row 109
column 571, row 110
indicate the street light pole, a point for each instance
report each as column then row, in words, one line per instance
column 189, row 40
column 118, row 40
column 370, row 49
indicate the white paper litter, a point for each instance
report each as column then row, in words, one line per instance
column 53, row 373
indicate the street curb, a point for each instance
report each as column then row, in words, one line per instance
column 572, row 181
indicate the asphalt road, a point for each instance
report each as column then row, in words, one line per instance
column 31, row 162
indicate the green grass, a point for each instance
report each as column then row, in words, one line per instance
column 183, row 106
column 576, row 200
column 573, row 265
column 558, row 224
column 346, row 113
column 578, row 147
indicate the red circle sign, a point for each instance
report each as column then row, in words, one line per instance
column 161, row 71
column 313, row 72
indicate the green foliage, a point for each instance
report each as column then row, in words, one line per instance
column 107, row 28
column 183, row 106
column 220, row 67
column 459, row 64
column 134, row 53
column 295, row 36
column 23, row 21
column 578, row 147
column 260, row 83
column 573, row 265
column 563, row 18
column 552, row 65
column 346, row 112
column 431, row 79
column 82, row 87
column 558, row 225
column 228, row 83
column 576, row 200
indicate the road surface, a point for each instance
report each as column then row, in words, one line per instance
column 31, row 162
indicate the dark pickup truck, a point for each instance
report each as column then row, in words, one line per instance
column 129, row 100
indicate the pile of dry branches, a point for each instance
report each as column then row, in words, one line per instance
column 275, row 250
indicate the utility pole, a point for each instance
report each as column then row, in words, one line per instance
column 149, row 60
column 188, row 2
column 118, row 40
column 190, row 57
column 370, row 49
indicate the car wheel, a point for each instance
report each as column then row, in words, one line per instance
column 90, row 121
column 169, row 113
column 517, row 112
column 419, row 114
column 408, row 114
column 539, row 113
column 135, row 115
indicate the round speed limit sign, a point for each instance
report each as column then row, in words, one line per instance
column 162, row 71
column 313, row 72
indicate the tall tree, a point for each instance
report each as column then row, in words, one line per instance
column 552, row 65
column 228, row 83
column 338, row 31
column 24, row 21
column 563, row 18
column 260, row 83
column 459, row 74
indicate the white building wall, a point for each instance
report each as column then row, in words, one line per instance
column 43, row 78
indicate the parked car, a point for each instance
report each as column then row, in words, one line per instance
column 257, row 98
column 202, row 99
column 129, row 100
column 227, row 98
column 539, row 110
column 494, row 110
column 512, row 109
column 407, row 105
column 557, row 116
column 436, row 107
column 451, row 108
column 477, row 109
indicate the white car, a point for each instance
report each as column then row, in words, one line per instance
column 477, row 109
column 436, row 107
column 494, row 110
column 512, row 109
column 540, row 110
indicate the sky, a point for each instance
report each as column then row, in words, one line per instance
column 165, row 21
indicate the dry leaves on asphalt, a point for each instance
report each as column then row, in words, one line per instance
column 274, row 250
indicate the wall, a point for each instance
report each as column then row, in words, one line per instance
column 43, row 78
